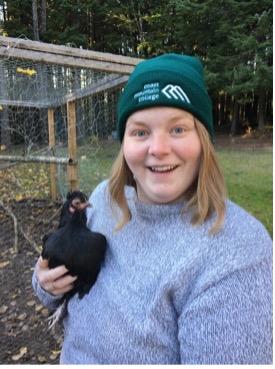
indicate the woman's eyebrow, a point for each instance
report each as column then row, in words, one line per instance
column 136, row 123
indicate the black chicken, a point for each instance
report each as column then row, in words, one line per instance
column 74, row 245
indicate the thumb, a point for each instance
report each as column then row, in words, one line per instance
column 43, row 263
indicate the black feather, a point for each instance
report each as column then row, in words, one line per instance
column 74, row 245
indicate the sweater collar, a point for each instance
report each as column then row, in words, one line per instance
column 156, row 211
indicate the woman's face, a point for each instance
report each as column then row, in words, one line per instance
column 162, row 149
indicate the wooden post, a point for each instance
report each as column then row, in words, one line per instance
column 52, row 146
column 72, row 168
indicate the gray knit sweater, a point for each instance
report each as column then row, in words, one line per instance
column 168, row 293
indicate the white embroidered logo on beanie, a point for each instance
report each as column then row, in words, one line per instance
column 175, row 92
column 150, row 92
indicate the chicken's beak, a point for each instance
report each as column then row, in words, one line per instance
column 85, row 205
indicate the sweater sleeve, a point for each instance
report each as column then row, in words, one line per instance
column 231, row 321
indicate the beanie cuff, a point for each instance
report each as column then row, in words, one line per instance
column 168, row 80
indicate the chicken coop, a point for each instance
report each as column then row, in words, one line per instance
column 57, row 132
column 58, row 106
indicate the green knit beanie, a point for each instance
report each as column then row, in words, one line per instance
column 167, row 80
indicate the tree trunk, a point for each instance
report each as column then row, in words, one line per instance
column 4, row 12
column 235, row 117
column 221, row 107
column 5, row 138
column 35, row 20
column 261, row 115
column 43, row 15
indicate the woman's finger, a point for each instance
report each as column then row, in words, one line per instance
column 63, row 284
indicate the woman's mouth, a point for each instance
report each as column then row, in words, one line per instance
column 161, row 169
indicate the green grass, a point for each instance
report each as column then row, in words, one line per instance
column 94, row 165
column 249, row 180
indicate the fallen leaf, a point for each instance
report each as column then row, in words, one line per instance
column 22, row 352
column 57, row 352
column 3, row 264
column 31, row 303
column 53, row 357
column 45, row 312
column 38, row 307
column 41, row 359
column 22, row 316
column 19, row 197
column 3, row 309
column 16, row 357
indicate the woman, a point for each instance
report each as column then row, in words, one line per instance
column 187, row 276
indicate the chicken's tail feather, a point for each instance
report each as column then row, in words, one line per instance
column 57, row 316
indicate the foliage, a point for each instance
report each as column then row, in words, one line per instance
column 234, row 38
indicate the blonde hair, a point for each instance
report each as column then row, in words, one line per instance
column 205, row 197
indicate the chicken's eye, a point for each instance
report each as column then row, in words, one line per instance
column 76, row 202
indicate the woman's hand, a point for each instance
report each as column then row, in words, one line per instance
column 55, row 281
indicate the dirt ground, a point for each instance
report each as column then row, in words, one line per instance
column 24, row 336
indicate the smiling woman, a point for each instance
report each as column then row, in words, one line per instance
column 187, row 277
column 162, row 149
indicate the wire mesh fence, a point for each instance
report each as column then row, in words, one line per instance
column 28, row 89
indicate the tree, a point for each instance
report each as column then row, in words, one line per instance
column 35, row 20
column 18, row 18
column 140, row 29
column 253, row 43
column 234, row 40
column 43, row 15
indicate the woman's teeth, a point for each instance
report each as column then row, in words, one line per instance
column 162, row 169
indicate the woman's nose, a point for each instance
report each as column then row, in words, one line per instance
column 159, row 145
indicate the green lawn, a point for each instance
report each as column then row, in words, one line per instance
column 249, row 181
column 94, row 166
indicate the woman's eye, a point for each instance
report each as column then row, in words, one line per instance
column 140, row 133
column 178, row 130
